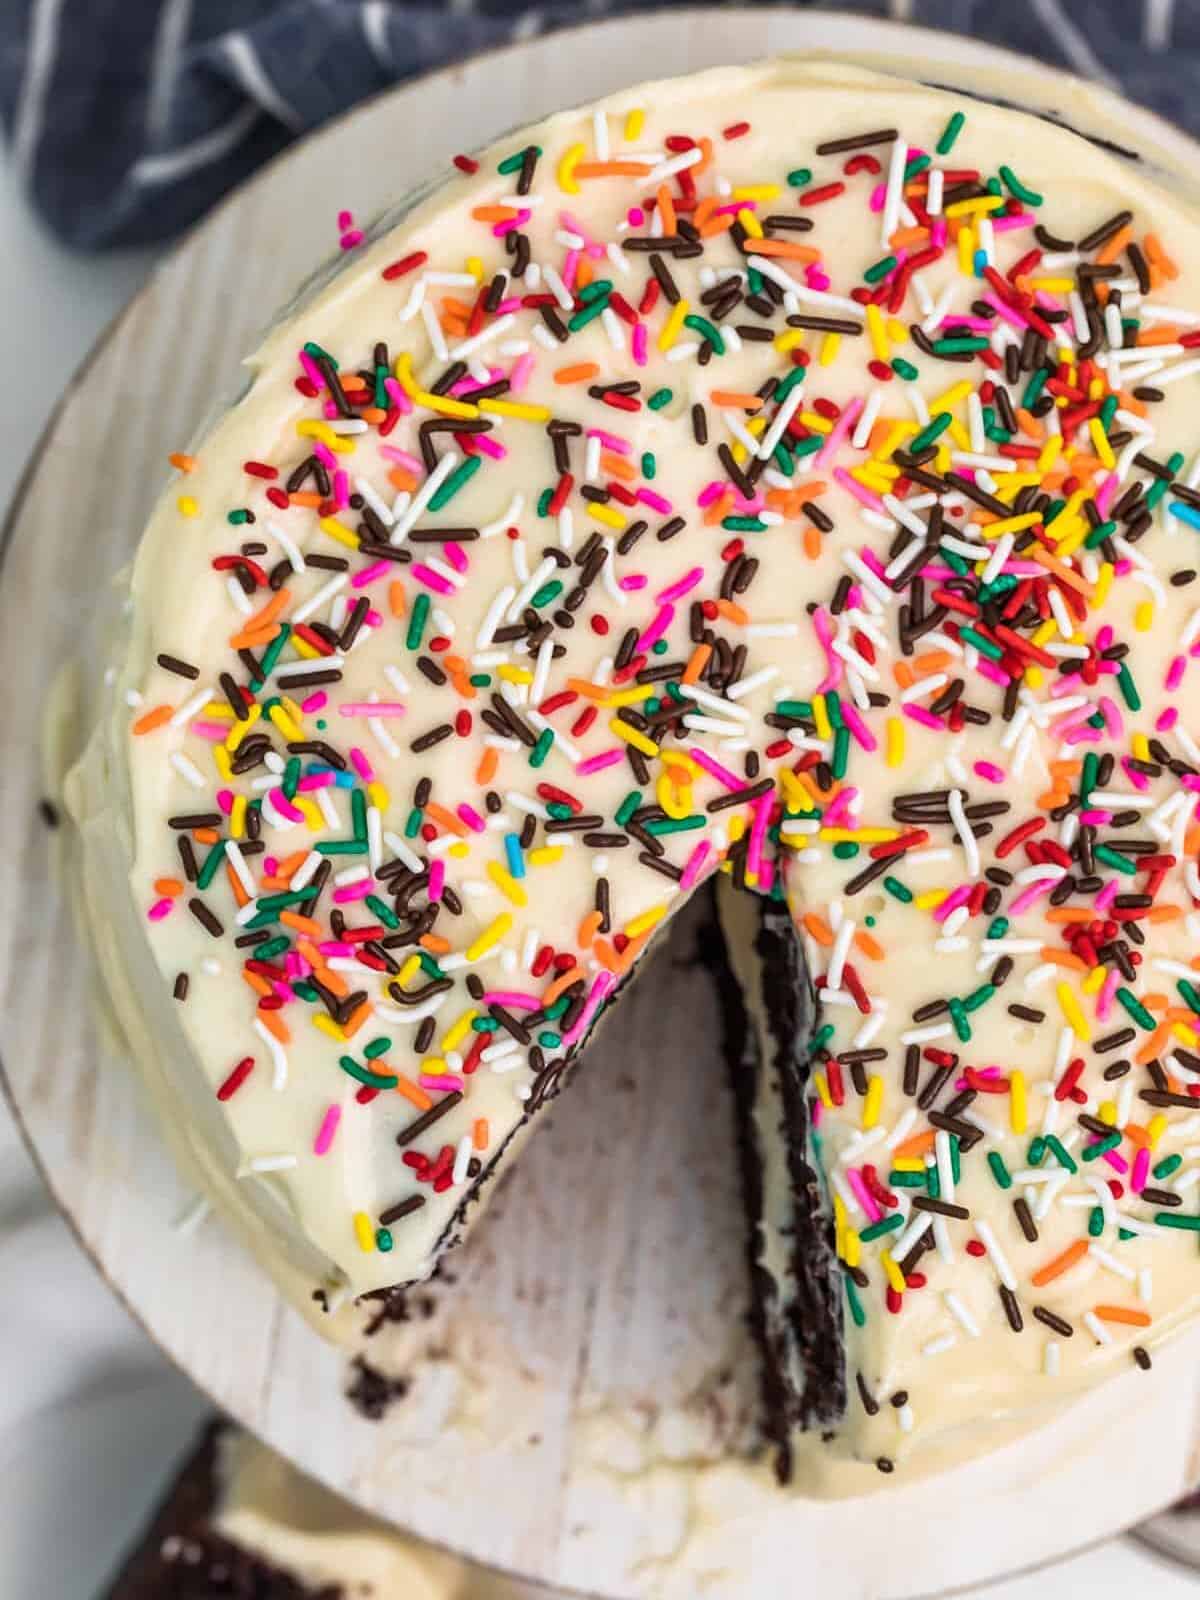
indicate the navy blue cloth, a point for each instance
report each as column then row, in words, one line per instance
column 127, row 118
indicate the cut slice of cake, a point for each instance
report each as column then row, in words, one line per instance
column 786, row 471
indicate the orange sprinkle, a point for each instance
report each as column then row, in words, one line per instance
column 486, row 770
column 588, row 929
column 1030, row 424
column 1126, row 1314
column 257, row 983
column 302, row 924
column 580, row 372
column 291, row 864
column 480, row 1133
column 149, row 720
column 715, row 225
column 400, row 478
column 818, row 927
column 304, row 497
column 493, row 213
column 1063, row 958
column 235, row 883
column 632, row 950
column 1061, row 571
column 275, row 1025
column 732, row 612
column 920, row 1144
column 1060, row 1264
column 205, row 835
column 182, row 462
column 697, row 662
column 267, row 613
column 1111, row 248
column 617, row 467
column 435, row 944
column 168, row 886
column 786, row 248
column 903, row 237
column 666, row 210
column 612, row 169
column 734, row 400
column 561, row 984
column 812, row 542
column 396, row 601
column 868, row 944
column 447, row 819
column 410, row 1091
column 357, row 1017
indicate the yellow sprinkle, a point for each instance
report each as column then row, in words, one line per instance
column 512, row 674
column 851, row 1247
column 240, row 729
column 339, row 443
column 959, row 434
column 519, row 409
column 325, row 1024
column 895, row 742
column 303, row 648
column 339, row 531
column 1108, row 1113
column 378, row 795
column 507, row 884
column 1100, row 443
column 965, row 208
column 896, row 331
column 823, row 1090
column 644, row 921
column 630, row 697
column 1143, row 616
column 609, row 515
column 1045, row 631
column 237, row 816
column 403, row 370
column 751, row 223
column 490, row 936
column 873, row 1103
column 1094, row 981
column 633, row 736
column 567, row 181
column 286, row 725
column 876, row 333
column 1034, row 676
column 634, row 123
column 966, row 252
column 188, row 505
column 1096, row 389
column 222, row 762
column 1018, row 1111
column 1155, row 1129
column 815, row 423
column 790, row 339
column 908, row 1164
column 952, row 396
column 821, row 717
column 756, row 191
column 830, row 345
column 1103, row 585
column 1140, row 745
column 894, row 1276
column 1050, row 452
column 671, row 327
column 218, row 711
column 474, row 265
column 457, row 1031
column 1054, row 285
column 364, row 1232
column 1185, row 1034
column 445, row 404
column 314, row 821
column 1072, row 1012
column 859, row 835
column 796, row 795
column 993, row 530
column 930, row 899
column 545, row 855
column 460, row 849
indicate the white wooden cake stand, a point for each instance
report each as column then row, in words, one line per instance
column 578, row 1397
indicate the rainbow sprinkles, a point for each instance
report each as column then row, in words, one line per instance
column 752, row 478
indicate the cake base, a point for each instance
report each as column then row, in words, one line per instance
column 591, row 1380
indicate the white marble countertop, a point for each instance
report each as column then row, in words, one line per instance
column 90, row 1414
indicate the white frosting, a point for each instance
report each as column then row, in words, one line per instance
column 300, row 1206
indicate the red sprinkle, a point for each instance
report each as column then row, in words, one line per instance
column 465, row 164
column 236, row 1078
column 405, row 264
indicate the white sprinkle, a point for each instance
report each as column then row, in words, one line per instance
column 1052, row 1358
column 960, row 1314
column 1096, row 1328
column 278, row 1056
column 992, row 1245
column 326, row 592
column 187, row 769
column 937, row 1347
column 270, row 1164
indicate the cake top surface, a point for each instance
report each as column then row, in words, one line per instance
column 752, row 460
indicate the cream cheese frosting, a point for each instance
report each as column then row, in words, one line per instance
column 618, row 516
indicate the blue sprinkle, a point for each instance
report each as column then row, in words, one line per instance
column 512, row 849
column 1188, row 514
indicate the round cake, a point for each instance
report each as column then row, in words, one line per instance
column 781, row 476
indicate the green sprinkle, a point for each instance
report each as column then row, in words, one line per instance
column 743, row 524
column 953, row 347
column 1101, row 1147
column 457, row 480
column 211, row 862
column 809, row 446
column 340, row 847
column 412, row 823
column 1128, row 688
column 383, row 1240
column 238, row 517
column 382, row 910
column 275, row 903
column 879, row 269
column 915, row 166
column 878, row 1229
column 416, row 622
column 548, row 591
column 841, row 752
column 1095, row 1222
column 304, row 990
column 480, row 680
column 958, row 1017
column 997, row 928
column 897, row 890
column 1136, row 1009
column 1102, row 531
column 846, row 851
column 548, row 1039
column 905, row 369
column 906, row 1180
column 1061, row 1154
column 514, row 163
column 589, row 313
column 627, row 807
column 542, row 748
column 799, row 177
column 1173, row 1219
column 857, row 1315
column 373, row 1080
column 649, row 466
column 794, row 708
column 600, row 287
column 709, row 330
column 930, row 433
column 376, row 1048
column 1013, row 184
column 660, row 398
column 820, row 1039
column 675, row 824
column 1165, row 1168
column 274, row 947
column 984, row 646
column 999, row 1171
column 1114, row 858
column 1190, row 996
column 787, row 384
column 543, row 503
column 950, row 133
column 979, row 997
column 1037, row 1151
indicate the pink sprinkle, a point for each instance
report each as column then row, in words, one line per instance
column 1033, row 892
column 656, row 502
column 215, row 732
column 1107, row 895
column 159, row 909
column 766, row 874
column 606, row 758
column 399, row 398
column 604, row 983
column 1176, row 671
column 710, row 492
column 858, row 728
column 522, row 372
column 361, row 765
column 919, row 714
column 841, row 428
column 758, row 832
column 1006, row 224
column 989, row 669
column 861, row 493
column 951, row 903
column 635, row 216
column 486, row 445
column 1141, row 1170
column 990, row 771
column 816, row 277
column 225, row 800
column 431, row 580
column 324, row 455
column 610, row 441
column 938, row 237
column 570, row 268
column 311, row 371
column 336, row 947
column 1095, row 817
column 437, row 879
column 325, row 1133
column 513, row 998
column 370, row 574
column 865, row 1199
column 352, row 891
column 1138, row 779
column 695, row 864
column 838, row 812
column 657, row 628
column 834, row 667
column 341, row 489
column 455, row 555
column 632, row 580
column 1005, row 311
column 371, row 708
column 471, row 817
column 512, row 224
column 637, row 341
column 447, row 1081
column 714, row 768
column 1107, row 490
column 285, row 807
column 295, row 965
column 1109, row 988
column 1117, row 1162
column 314, row 780
column 1167, row 719
column 677, row 590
